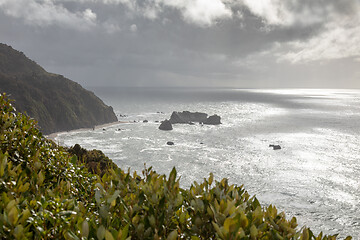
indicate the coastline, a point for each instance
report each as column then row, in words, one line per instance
column 52, row 136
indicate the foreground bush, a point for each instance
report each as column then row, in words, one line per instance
column 47, row 193
column 95, row 160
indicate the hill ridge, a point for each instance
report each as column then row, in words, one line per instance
column 57, row 103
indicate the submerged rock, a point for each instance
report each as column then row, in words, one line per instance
column 166, row 125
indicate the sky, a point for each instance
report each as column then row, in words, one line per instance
column 190, row 43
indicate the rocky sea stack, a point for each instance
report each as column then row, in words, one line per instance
column 187, row 117
column 213, row 120
column 191, row 117
column 166, row 125
column 57, row 103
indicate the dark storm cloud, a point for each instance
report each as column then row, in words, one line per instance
column 185, row 43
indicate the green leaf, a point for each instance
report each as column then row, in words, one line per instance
column 3, row 163
column 108, row 235
column 253, row 232
column 152, row 221
column 19, row 231
column 85, row 229
column 114, row 196
column 227, row 224
column 71, row 236
column 104, row 211
column 74, row 159
column 305, row 234
column 67, row 213
column 41, row 178
column 172, row 176
column 123, row 233
column 101, row 232
column 24, row 216
column 218, row 230
column 13, row 216
column 25, row 187
column 182, row 217
column 211, row 178
column 98, row 197
column 173, row 235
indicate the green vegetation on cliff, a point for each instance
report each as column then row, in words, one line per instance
column 94, row 160
column 47, row 193
column 57, row 103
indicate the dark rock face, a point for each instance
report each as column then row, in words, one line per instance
column 57, row 103
column 275, row 147
column 191, row 117
column 213, row 120
column 166, row 125
column 187, row 117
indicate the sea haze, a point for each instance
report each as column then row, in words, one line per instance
column 314, row 177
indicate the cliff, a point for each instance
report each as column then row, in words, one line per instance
column 57, row 103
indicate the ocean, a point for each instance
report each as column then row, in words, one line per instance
column 314, row 177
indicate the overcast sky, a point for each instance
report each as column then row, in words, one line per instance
column 209, row 43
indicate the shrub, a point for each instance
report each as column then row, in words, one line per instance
column 48, row 193
column 95, row 160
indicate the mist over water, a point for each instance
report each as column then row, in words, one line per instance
column 314, row 177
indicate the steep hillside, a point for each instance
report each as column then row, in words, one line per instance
column 57, row 103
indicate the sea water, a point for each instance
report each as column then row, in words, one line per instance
column 314, row 177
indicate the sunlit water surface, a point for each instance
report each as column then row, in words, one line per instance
column 314, row 177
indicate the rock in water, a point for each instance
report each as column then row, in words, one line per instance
column 166, row 125
column 187, row 117
column 275, row 147
column 170, row 143
column 213, row 120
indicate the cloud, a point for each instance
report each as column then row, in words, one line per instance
column 111, row 27
column 335, row 43
column 201, row 12
column 306, row 30
column 339, row 38
column 298, row 12
column 331, row 29
column 46, row 13
column 133, row 28
column 274, row 12
column 89, row 15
